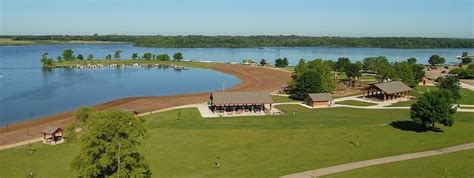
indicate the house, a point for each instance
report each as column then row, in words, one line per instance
column 388, row 90
column 53, row 135
column 318, row 100
column 240, row 102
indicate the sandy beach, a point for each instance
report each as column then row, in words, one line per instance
column 251, row 79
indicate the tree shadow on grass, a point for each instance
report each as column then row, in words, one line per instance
column 413, row 126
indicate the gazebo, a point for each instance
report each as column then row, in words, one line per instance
column 53, row 135
column 240, row 102
column 388, row 90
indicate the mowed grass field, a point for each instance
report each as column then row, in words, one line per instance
column 458, row 164
column 268, row 146
column 283, row 99
column 355, row 103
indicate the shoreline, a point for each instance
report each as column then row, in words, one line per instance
column 251, row 79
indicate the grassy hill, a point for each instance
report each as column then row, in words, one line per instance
column 268, row 146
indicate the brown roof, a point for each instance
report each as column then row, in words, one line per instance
column 50, row 129
column 225, row 98
column 320, row 96
column 392, row 87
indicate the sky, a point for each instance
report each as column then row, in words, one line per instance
column 351, row 18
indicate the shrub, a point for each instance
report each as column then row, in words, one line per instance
column 467, row 74
column 456, row 71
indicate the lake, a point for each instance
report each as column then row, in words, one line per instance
column 27, row 91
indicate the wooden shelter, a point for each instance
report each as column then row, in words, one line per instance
column 388, row 90
column 318, row 99
column 240, row 102
column 53, row 135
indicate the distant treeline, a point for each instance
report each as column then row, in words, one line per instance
column 195, row 41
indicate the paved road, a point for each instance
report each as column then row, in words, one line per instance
column 468, row 84
column 378, row 161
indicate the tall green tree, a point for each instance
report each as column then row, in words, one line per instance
column 281, row 62
column 44, row 58
column 80, row 118
column 300, row 68
column 436, row 60
column 80, row 57
column 108, row 57
column 375, row 64
column 134, row 56
column 405, row 73
column 419, row 71
column 147, row 56
column 263, row 62
column 90, row 57
column 177, row 56
column 342, row 64
column 434, row 106
column 332, row 64
column 411, row 60
column 117, row 54
column 452, row 85
column 385, row 72
column 278, row 62
column 285, row 62
column 163, row 57
column 311, row 77
column 68, row 55
column 466, row 60
column 46, row 61
column 353, row 72
column 110, row 146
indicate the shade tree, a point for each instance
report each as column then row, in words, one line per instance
column 434, row 106
column 311, row 77
column 109, row 146
column 117, row 54
column 452, row 85
column 436, row 60
column 178, row 56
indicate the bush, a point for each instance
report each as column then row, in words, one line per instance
column 470, row 66
column 456, row 71
column 467, row 74
column 438, row 79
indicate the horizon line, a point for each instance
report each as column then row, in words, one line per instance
column 222, row 35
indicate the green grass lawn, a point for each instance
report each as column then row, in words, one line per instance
column 283, row 99
column 364, row 77
column 267, row 146
column 355, row 103
column 467, row 96
column 353, row 94
column 458, row 164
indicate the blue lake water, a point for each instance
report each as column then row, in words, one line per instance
column 27, row 91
